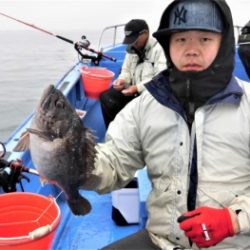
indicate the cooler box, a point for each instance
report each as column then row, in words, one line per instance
column 126, row 204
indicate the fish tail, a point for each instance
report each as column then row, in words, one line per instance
column 80, row 206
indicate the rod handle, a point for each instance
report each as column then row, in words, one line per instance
column 65, row 39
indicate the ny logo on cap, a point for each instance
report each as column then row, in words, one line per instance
column 128, row 32
column 180, row 15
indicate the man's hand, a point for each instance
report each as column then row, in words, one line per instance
column 130, row 91
column 207, row 226
column 119, row 84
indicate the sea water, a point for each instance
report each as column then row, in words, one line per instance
column 29, row 61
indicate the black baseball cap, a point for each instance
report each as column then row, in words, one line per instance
column 133, row 29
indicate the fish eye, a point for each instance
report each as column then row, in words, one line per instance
column 59, row 104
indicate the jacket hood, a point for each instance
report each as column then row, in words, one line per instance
column 228, row 33
column 204, row 84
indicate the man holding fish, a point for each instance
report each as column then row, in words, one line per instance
column 190, row 127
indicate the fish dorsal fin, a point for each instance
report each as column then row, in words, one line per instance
column 23, row 143
column 89, row 150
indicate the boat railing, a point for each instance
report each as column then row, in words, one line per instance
column 115, row 29
column 237, row 32
column 237, row 29
column 241, row 38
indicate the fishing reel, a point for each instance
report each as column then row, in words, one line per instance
column 84, row 43
column 95, row 56
column 11, row 172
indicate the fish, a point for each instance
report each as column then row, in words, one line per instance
column 62, row 149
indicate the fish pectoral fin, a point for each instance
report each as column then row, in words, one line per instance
column 42, row 134
column 23, row 143
column 81, row 113
column 43, row 180
column 79, row 206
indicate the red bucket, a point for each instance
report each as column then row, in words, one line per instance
column 96, row 80
column 27, row 221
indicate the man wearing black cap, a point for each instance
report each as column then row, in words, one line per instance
column 244, row 47
column 144, row 59
column 191, row 128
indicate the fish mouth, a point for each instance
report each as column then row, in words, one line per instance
column 46, row 94
column 42, row 116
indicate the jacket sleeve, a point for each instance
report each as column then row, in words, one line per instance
column 125, row 71
column 118, row 159
column 242, row 205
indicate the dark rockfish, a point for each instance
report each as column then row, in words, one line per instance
column 62, row 149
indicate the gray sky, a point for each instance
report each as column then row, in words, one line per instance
column 79, row 14
column 94, row 14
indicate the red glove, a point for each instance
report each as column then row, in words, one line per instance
column 207, row 226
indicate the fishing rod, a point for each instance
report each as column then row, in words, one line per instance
column 77, row 45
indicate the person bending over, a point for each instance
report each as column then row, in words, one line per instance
column 143, row 60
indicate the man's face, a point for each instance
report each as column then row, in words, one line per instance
column 141, row 41
column 194, row 50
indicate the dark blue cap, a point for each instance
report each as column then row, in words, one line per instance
column 192, row 15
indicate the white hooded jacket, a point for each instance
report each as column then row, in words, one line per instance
column 138, row 74
column 148, row 132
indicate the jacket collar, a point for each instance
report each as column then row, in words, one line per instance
column 150, row 43
column 231, row 94
column 160, row 89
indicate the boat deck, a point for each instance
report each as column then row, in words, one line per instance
column 92, row 231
